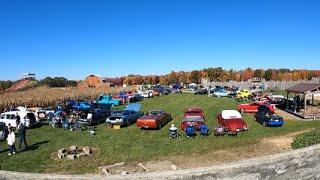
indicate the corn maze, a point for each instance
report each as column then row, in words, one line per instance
column 46, row 97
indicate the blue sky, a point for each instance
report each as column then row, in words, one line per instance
column 73, row 38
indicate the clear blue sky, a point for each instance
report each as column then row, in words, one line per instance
column 73, row 38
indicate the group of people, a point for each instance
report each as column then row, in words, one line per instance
column 10, row 136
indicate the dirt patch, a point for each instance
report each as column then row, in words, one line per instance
column 286, row 116
column 267, row 146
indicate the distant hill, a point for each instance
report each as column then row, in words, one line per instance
column 22, row 84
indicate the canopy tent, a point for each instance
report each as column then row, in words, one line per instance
column 304, row 103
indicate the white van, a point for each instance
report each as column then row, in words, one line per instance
column 26, row 117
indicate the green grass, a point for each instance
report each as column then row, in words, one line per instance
column 306, row 139
column 134, row 145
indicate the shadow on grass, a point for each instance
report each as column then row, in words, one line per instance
column 33, row 147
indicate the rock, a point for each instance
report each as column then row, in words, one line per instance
column 82, row 153
column 105, row 171
column 87, row 151
column 174, row 167
column 61, row 151
column 124, row 173
column 71, row 157
column 77, row 156
column 61, row 156
column 143, row 167
column 73, row 148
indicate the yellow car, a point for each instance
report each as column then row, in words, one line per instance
column 243, row 94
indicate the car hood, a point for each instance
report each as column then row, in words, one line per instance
column 134, row 107
column 275, row 117
column 150, row 117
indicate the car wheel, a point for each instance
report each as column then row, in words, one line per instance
column 264, row 124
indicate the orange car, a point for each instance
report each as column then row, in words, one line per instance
column 154, row 119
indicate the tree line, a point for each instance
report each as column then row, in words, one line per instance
column 220, row 75
column 48, row 81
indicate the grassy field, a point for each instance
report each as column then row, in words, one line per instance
column 134, row 145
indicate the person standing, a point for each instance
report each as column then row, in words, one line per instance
column 22, row 135
column 11, row 142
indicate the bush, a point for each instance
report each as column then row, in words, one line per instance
column 306, row 139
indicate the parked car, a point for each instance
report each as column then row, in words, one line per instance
column 103, row 99
column 137, row 97
column 267, row 118
column 202, row 91
column 125, row 117
column 231, row 121
column 194, row 117
column 176, row 91
column 2, row 131
column 82, row 106
column 44, row 113
column 253, row 107
column 221, row 93
column 275, row 99
column 154, row 119
column 26, row 117
column 145, row 94
column 243, row 94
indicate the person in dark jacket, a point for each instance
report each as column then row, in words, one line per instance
column 22, row 135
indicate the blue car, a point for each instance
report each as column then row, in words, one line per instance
column 125, row 117
column 82, row 106
column 265, row 117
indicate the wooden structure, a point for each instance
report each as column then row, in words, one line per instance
column 306, row 100
column 28, row 76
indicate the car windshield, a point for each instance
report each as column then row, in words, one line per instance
column 118, row 112
column 193, row 119
column 155, row 112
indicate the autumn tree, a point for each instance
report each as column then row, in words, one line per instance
column 268, row 75
column 195, row 76
column 258, row 73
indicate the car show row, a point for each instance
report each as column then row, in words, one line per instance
column 82, row 115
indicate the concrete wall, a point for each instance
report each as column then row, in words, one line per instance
column 296, row 164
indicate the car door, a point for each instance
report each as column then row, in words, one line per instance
column 3, row 118
column 253, row 107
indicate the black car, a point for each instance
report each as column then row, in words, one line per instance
column 202, row 91
column 265, row 117
column 3, row 134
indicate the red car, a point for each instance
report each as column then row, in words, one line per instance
column 253, row 107
column 154, row 119
column 231, row 121
column 193, row 117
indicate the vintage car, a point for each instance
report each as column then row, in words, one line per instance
column 44, row 113
column 243, row 94
column 26, row 117
column 202, row 91
column 82, row 106
column 253, row 107
column 267, row 118
column 194, row 117
column 2, row 131
column 220, row 93
column 103, row 99
column 231, row 121
column 145, row 94
column 125, row 117
column 176, row 91
column 154, row 119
